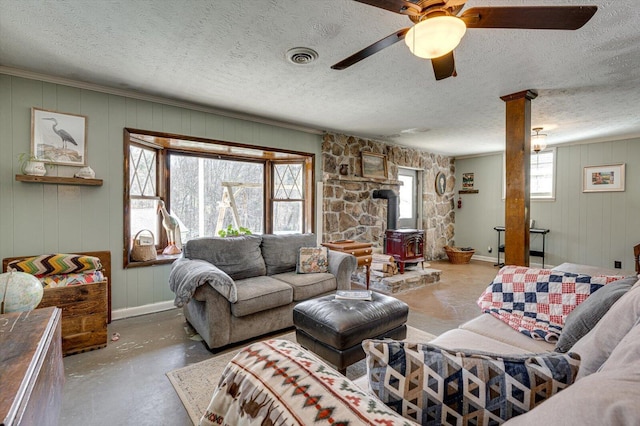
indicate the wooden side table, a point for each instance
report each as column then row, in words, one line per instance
column 31, row 370
column 362, row 252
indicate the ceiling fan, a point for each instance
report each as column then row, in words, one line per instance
column 438, row 29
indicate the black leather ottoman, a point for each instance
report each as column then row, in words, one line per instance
column 334, row 329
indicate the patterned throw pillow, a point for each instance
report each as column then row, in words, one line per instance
column 277, row 382
column 312, row 260
column 52, row 264
column 434, row 386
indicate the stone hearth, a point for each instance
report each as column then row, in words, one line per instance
column 413, row 277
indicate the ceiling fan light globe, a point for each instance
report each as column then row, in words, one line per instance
column 435, row 37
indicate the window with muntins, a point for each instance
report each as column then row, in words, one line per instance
column 210, row 185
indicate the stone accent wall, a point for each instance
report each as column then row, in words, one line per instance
column 351, row 213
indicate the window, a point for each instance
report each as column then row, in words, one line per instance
column 542, row 175
column 209, row 185
column 543, row 167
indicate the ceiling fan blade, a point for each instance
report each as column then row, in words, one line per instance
column 529, row 17
column 370, row 50
column 444, row 66
column 397, row 6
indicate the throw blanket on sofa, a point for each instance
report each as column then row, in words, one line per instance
column 536, row 302
column 188, row 274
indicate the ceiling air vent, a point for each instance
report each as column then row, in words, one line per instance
column 301, row 55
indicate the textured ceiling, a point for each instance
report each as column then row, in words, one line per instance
column 230, row 55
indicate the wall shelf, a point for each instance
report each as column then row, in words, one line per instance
column 335, row 178
column 59, row 180
column 468, row 191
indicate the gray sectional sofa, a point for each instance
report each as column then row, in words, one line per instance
column 236, row 288
column 603, row 358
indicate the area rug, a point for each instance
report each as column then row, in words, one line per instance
column 195, row 383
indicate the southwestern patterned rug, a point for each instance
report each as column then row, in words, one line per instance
column 195, row 383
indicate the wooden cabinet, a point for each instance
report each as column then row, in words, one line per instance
column 362, row 252
column 31, row 370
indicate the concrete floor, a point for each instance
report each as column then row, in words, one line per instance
column 125, row 383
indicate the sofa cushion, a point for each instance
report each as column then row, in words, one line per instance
column 597, row 345
column 306, row 286
column 460, row 339
column 239, row 257
column 491, row 327
column 431, row 385
column 586, row 315
column 312, row 260
column 607, row 397
column 280, row 252
column 260, row 294
column 278, row 382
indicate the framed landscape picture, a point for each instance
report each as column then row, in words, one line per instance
column 603, row 178
column 58, row 138
column 374, row 165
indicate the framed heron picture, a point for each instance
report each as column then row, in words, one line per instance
column 58, row 138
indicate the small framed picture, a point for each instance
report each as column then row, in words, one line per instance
column 374, row 165
column 467, row 181
column 59, row 138
column 603, row 178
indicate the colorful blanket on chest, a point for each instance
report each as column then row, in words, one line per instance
column 536, row 302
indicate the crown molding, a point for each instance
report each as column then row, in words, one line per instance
column 156, row 99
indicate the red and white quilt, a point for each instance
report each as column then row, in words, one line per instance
column 536, row 302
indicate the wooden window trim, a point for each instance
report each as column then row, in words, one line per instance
column 167, row 144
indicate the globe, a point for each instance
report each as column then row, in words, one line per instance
column 20, row 291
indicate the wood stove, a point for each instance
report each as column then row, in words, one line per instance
column 405, row 245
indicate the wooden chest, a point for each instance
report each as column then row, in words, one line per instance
column 31, row 369
column 86, row 308
column 84, row 315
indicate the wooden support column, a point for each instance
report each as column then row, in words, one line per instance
column 518, row 170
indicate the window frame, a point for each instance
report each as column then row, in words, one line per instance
column 166, row 144
column 532, row 196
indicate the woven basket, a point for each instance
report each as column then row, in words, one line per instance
column 457, row 256
column 142, row 253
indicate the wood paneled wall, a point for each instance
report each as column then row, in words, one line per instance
column 38, row 218
column 587, row 228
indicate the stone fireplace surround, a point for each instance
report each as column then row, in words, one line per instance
column 350, row 212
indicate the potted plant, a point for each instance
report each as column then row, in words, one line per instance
column 230, row 231
column 30, row 165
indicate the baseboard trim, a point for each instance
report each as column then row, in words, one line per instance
column 142, row 310
column 494, row 260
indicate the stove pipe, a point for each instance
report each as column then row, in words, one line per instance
column 392, row 205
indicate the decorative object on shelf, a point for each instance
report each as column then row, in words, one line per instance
column 85, row 173
column 58, row 138
column 144, row 247
column 171, row 225
column 603, row 178
column 30, row 165
column 374, row 165
column 538, row 141
column 19, row 292
column 344, row 169
column 459, row 255
column 441, row 183
column 467, row 180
